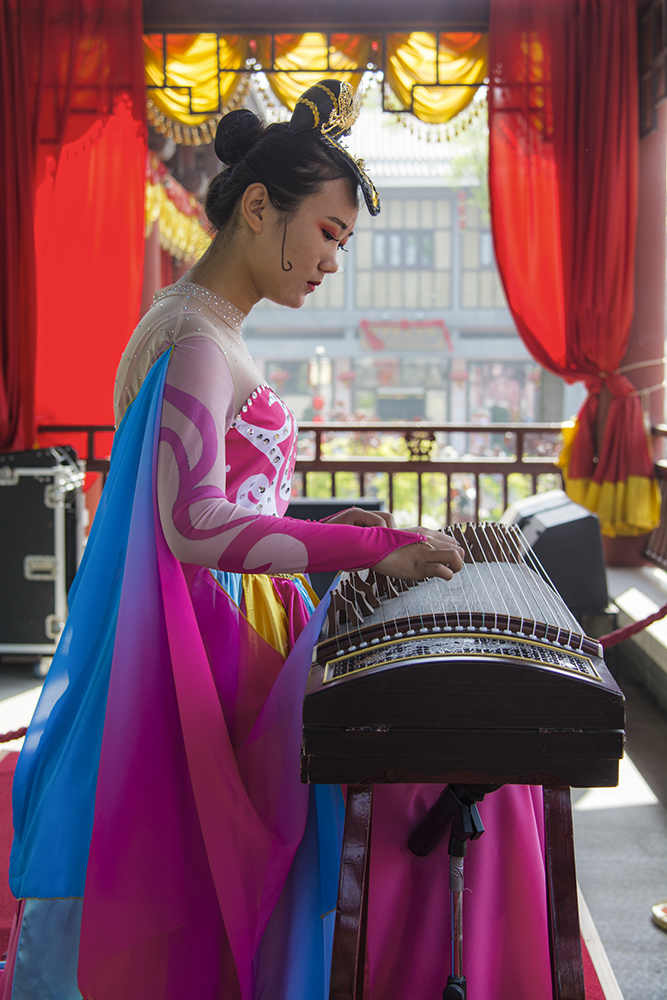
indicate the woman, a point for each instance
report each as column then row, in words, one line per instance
column 157, row 802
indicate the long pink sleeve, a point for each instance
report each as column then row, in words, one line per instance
column 201, row 524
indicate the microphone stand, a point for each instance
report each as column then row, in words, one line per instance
column 456, row 805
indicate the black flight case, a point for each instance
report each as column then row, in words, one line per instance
column 41, row 543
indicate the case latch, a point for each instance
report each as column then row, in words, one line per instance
column 40, row 567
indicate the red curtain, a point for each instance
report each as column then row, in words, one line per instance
column 563, row 187
column 17, row 271
column 82, row 102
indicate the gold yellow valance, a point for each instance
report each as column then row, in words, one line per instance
column 291, row 55
column 192, row 79
column 198, row 76
column 436, row 83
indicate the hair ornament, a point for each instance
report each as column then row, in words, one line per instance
column 344, row 113
column 331, row 108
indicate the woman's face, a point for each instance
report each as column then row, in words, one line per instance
column 301, row 249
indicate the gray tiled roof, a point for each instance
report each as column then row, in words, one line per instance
column 401, row 148
column 391, row 147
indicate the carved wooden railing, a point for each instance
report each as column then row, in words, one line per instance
column 465, row 459
column 452, row 467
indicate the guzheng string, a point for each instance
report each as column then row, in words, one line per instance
column 513, row 584
column 431, row 588
column 418, row 626
column 543, row 593
column 462, row 538
column 509, row 592
column 353, row 613
column 548, row 593
column 406, row 614
column 482, row 578
column 536, row 595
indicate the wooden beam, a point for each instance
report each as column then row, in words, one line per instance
column 325, row 15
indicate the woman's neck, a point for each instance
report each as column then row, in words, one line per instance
column 222, row 271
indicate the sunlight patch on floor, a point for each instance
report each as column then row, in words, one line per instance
column 15, row 713
column 631, row 790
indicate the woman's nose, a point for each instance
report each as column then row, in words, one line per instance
column 329, row 262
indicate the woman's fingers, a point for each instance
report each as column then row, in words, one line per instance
column 439, row 536
column 420, row 561
column 363, row 518
column 447, row 549
column 440, row 558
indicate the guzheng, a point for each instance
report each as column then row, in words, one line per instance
column 485, row 678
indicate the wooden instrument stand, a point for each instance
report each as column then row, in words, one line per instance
column 349, row 944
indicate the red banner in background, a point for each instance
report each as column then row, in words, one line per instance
column 405, row 335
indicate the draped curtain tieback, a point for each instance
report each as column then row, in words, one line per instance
column 563, row 182
column 617, row 384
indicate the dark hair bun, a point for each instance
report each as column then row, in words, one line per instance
column 236, row 133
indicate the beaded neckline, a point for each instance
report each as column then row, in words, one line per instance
column 232, row 316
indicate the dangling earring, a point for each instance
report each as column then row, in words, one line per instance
column 282, row 252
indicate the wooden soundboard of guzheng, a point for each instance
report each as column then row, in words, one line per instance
column 485, row 678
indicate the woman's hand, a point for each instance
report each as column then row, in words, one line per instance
column 439, row 556
column 363, row 518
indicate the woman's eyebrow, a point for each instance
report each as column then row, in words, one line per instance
column 342, row 225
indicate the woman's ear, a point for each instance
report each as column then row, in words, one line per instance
column 254, row 204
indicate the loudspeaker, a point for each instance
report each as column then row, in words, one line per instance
column 566, row 539
column 313, row 509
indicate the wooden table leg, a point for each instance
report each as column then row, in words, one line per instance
column 349, row 942
column 567, row 970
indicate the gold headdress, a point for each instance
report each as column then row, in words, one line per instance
column 330, row 107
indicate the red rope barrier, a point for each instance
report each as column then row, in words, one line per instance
column 7, row 737
column 619, row 634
